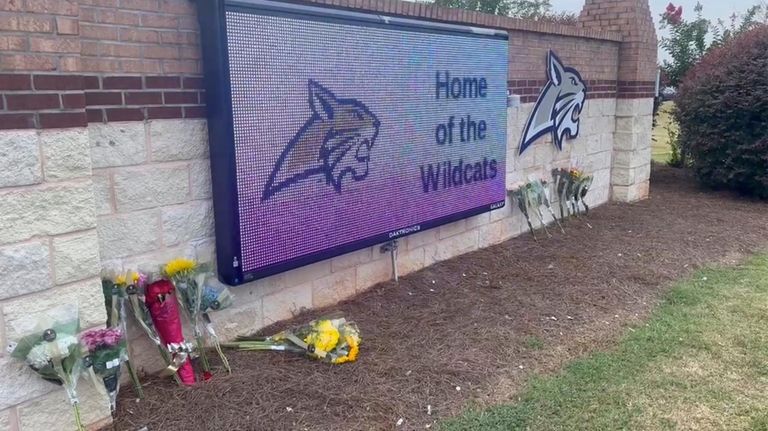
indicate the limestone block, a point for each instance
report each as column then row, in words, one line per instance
column 24, row 268
column 151, row 186
column 372, row 273
column 605, row 125
column 53, row 411
column 181, row 139
column 627, row 141
column 144, row 354
column 49, row 209
column 255, row 290
column 631, row 193
column 643, row 173
column 625, row 124
column 495, row 233
column 67, row 153
column 102, row 192
column 20, row 158
column 308, row 273
column 202, row 249
column 76, row 257
column 543, row 154
column 526, row 160
column 451, row 229
column 597, row 161
column 192, row 220
column 456, row 245
column 634, row 107
column 630, row 176
column 128, row 234
column 627, row 107
column 420, row 239
column 478, row 220
column 240, row 319
column 117, row 144
column 148, row 260
column 335, row 287
column 513, row 179
column 350, row 260
column 18, row 383
column 409, row 261
column 504, row 212
column 287, row 302
column 200, row 178
column 632, row 159
column 606, row 141
column 608, row 107
column 6, row 420
column 594, row 144
column 20, row 313
column 645, row 106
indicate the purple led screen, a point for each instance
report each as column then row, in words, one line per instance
column 346, row 132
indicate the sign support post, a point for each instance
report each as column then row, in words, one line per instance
column 391, row 247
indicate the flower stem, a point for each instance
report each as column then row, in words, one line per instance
column 201, row 351
column 78, row 420
column 134, row 379
column 167, row 358
column 223, row 358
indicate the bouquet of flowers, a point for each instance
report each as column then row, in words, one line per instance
column 115, row 294
column 52, row 350
column 530, row 198
column 197, row 297
column 136, row 300
column 572, row 186
column 106, row 352
column 165, row 316
column 331, row 340
column 582, row 183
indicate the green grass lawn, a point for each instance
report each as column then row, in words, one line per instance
column 700, row 362
column 660, row 150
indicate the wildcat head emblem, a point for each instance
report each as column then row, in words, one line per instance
column 559, row 105
column 335, row 143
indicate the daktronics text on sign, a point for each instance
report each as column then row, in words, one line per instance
column 333, row 130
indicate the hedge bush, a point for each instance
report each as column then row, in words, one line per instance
column 722, row 110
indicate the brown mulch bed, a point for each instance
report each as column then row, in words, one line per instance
column 469, row 331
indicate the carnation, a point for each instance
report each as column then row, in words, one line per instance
column 101, row 338
column 43, row 353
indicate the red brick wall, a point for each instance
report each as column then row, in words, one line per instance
column 157, row 37
column 67, row 62
column 637, row 53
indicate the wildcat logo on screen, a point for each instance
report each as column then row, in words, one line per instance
column 334, row 143
column 559, row 105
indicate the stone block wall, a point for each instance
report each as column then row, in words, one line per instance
column 104, row 145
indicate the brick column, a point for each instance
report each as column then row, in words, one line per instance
column 49, row 248
column 631, row 166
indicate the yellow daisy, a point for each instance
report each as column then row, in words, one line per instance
column 179, row 266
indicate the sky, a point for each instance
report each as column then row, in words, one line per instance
column 713, row 9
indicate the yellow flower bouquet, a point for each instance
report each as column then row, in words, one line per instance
column 197, row 297
column 331, row 340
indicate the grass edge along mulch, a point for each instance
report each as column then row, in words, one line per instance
column 698, row 363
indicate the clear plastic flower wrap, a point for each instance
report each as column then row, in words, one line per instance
column 50, row 347
column 331, row 339
column 198, row 294
column 115, row 289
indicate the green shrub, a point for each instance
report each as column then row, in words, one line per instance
column 676, row 155
column 722, row 110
